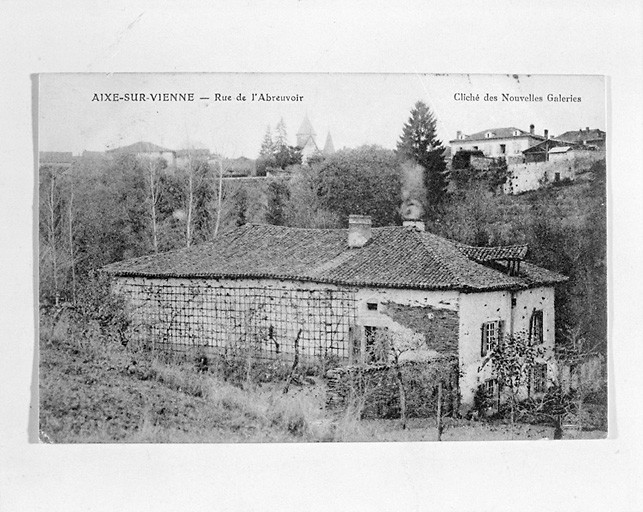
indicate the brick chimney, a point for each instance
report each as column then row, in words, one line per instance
column 458, row 135
column 531, row 128
column 546, row 134
column 359, row 230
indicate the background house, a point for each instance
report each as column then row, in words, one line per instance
column 327, row 294
column 508, row 143
column 60, row 159
column 586, row 137
column 146, row 150
column 192, row 151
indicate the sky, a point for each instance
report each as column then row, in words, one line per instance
column 355, row 108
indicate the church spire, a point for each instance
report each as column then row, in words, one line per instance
column 329, row 148
column 305, row 132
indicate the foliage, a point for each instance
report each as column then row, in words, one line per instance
column 275, row 153
column 362, row 181
column 304, row 208
column 241, row 206
column 278, row 195
column 419, row 143
column 512, row 359
column 492, row 177
column 97, row 305
column 285, row 156
column 462, row 159
column 468, row 217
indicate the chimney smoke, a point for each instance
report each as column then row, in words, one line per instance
column 413, row 191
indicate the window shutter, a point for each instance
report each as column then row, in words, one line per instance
column 483, row 344
column 501, row 330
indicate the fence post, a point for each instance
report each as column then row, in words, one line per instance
column 439, row 418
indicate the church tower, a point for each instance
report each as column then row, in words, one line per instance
column 306, row 140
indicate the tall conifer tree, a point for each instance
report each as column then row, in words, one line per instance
column 267, row 145
column 281, row 137
column 419, row 142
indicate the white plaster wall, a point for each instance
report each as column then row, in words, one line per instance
column 532, row 175
column 513, row 146
column 478, row 308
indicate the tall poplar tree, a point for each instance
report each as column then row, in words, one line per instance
column 419, row 142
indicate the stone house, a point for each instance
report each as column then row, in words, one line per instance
column 507, row 143
column 146, row 150
column 594, row 137
column 328, row 293
column 562, row 163
column 58, row 159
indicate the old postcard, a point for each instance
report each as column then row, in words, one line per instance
column 321, row 257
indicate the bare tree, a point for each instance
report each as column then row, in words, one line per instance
column 52, row 224
column 154, row 197
column 219, row 197
column 70, row 232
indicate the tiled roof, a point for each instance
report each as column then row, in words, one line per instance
column 582, row 135
column 395, row 257
column 503, row 252
column 560, row 149
column 500, row 133
column 545, row 145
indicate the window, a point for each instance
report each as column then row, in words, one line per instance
column 539, row 378
column 376, row 344
column 490, row 387
column 536, row 327
column 491, row 332
column 503, row 149
column 371, row 306
column 557, row 176
column 488, row 135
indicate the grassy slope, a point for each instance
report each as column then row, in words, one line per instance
column 93, row 394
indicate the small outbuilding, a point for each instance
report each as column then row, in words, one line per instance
column 328, row 293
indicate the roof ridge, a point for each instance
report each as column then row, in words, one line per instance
column 421, row 235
